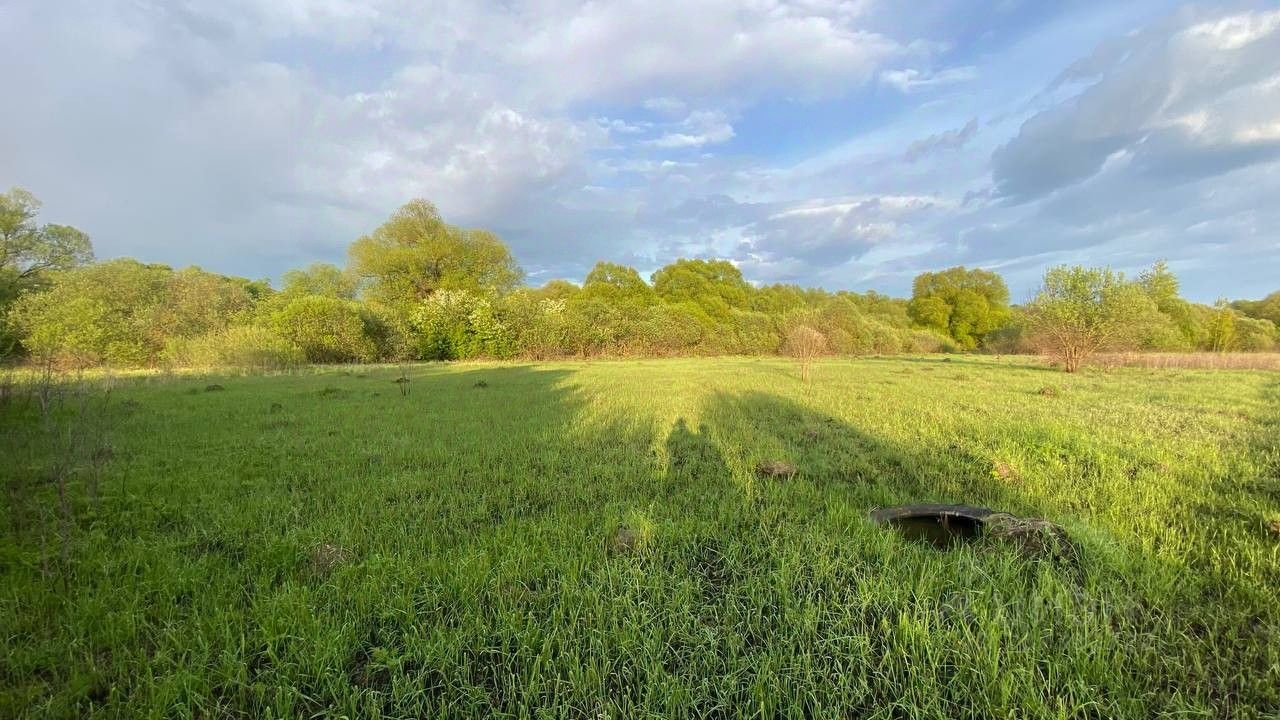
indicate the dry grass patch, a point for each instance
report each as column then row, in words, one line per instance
column 1190, row 361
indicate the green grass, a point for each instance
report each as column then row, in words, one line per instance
column 471, row 572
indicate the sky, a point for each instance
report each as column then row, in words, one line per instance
column 847, row 144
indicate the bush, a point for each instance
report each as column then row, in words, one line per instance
column 927, row 341
column 326, row 329
column 243, row 346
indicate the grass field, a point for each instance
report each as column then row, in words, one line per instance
column 317, row 545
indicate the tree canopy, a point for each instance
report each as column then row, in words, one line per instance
column 417, row 287
column 1080, row 311
column 416, row 253
column 715, row 286
column 968, row 305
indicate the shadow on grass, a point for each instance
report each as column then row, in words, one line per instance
column 473, row 579
column 1020, row 362
column 1199, row 623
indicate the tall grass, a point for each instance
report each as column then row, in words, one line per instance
column 1190, row 360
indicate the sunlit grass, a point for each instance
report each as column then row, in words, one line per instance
column 452, row 552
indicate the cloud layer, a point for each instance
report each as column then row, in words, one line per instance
column 841, row 143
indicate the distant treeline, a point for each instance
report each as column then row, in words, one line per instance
column 417, row 288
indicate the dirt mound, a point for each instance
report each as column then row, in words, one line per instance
column 626, row 540
column 325, row 558
column 775, row 469
column 1034, row 538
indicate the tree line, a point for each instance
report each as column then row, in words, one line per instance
column 418, row 288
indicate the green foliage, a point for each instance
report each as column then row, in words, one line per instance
column 416, row 253
column 242, row 346
column 122, row 312
column 1267, row 309
column 99, row 314
column 1080, row 311
column 29, row 249
column 327, row 330
column 1222, row 327
column 715, row 286
column 28, row 253
column 966, row 304
column 419, row 288
column 618, row 285
column 1254, row 335
column 320, row 278
column 457, row 325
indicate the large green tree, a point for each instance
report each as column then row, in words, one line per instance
column 416, row 253
column 1268, row 308
column 28, row 252
column 966, row 304
column 617, row 284
column 26, row 248
column 320, row 278
column 714, row 286
column 1080, row 311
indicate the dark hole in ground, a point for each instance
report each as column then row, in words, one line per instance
column 941, row 531
column 942, row 526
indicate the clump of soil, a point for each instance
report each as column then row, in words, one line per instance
column 775, row 469
column 215, row 387
column 327, row 557
column 481, row 384
column 1005, row 471
column 1048, row 391
column 627, row 540
column 1273, row 524
column 1034, row 538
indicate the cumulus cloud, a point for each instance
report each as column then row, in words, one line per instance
column 810, row 237
column 698, row 129
column 1195, row 101
column 705, row 49
column 253, row 135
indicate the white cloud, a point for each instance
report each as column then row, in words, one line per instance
column 911, row 80
column 1194, row 101
column 252, row 135
column 704, row 127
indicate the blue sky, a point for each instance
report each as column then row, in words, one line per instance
column 847, row 144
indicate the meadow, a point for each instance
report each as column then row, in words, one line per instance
column 325, row 544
